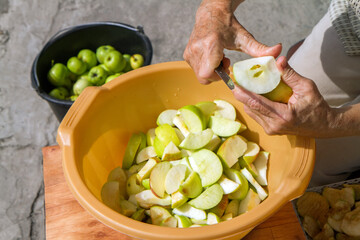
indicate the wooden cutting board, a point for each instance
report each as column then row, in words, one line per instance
column 66, row 219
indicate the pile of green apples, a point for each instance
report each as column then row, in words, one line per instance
column 193, row 169
column 90, row 68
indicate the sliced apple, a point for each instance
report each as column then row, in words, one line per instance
column 251, row 167
column 147, row 198
column 143, row 141
column 220, row 208
column 212, row 218
column 224, row 127
column 145, row 154
column 159, row 214
column 118, row 174
column 169, row 222
column 207, row 108
column 127, row 208
column 214, row 143
column 180, row 124
column 251, row 152
column 227, row 217
column 198, row 221
column 189, row 211
column 251, row 200
column 166, row 117
column 133, row 186
column 260, row 191
column 110, row 195
column 175, row 177
column 135, row 168
column 131, row 150
column 146, row 170
column 178, row 199
column 230, row 150
column 237, row 176
column 133, row 199
column 193, row 118
column 184, row 161
column 146, row 183
column 228, row 185
column 191, row 187
column 259, row 75
column 157, row 178
column 208, row 165
column 183, row 221
column 171, row 152
column 233, row 207
column 179, row 134
column 159, row 147
column 208, row 198
column 150, row 137
column 166, row 134
column 197, row 140
column 225, row 109
column 139, row 215
column 260, row 164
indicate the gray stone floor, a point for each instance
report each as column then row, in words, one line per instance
column 27, row 123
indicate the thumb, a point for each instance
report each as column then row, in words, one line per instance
column 289, row 76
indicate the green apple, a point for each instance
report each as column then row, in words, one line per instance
column 238, row 177
column 224, row 127
column 127, row 66
column 139, row 215
column 197, row 140
column 208, row 198
column 133, row 186
column 76, row 66
column 157, row 178
column 212, row 218
column 175, row 177
column 233, row 207
column 107, row 70
column 351, row 222
column 207, row 108
column 114, row 61
column 251, row 152
column 73, row 97
column 179, row 134
column 250, row 167
column 146, row 183
column 193, row 118
column 249, row 202
column 110, row 195
column 136, row 61
column 143, row 141
column 131, row 150
column 281, row 93
column 112, row 77
column 59, row 76
column 180, row 124
column 169, row 222
column 88, row 57
column 158, row 214
column 59, row 93
column 135, row 168
column 191, row 187
column 226, row 217
column 127, row 208
column 147, row 199
column 178, row 199
column 97, row 76
column 171, row 152
column 184, row 161
column 198, row 221
column 260, row 164
column 150, row 137
column 159, row 147
column 183, row 221
column 214, row 143
column 231, row 149
column 118, row 174
column 102, row 51
column 146, row 169
column 208, row 165
column 225, row 109
column 189, row 211
column 145, row 154
column 222, row 205
column 228, row 185
column 80, row 85
column 260, row 191
column 167, row 134
column 167, row 117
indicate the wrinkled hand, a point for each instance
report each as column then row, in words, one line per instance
column 216, row 29
column 306, row 114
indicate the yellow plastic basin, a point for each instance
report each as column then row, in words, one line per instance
column 94, row 133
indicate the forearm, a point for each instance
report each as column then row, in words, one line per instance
column 346, row 121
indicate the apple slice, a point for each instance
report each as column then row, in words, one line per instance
column 225, row 109
column 237, row 176
column 208, row 165
column 171, row 152
column 224, row 127
column 127, row 208
column 158, row 176
column 230, row 150
column 198, row 221
column 118, row 174
column 174, row 178
column 209, row 198
column 191, row 187
column 143, row 141
column 131, row 150
column 212, row 218
column 183, row 221
column 193, row 118
column 228, row 185
column 147, row 198
column 191, row 212
column 251, row 200
column 135, row 168
column 146, row 183
column 184, row 161
column 110, row 195
column 251, row 152
column 169, row 222
column 180, row 124
column 159, row 147
column 260, row 164
column 250, row 167
column 227, row 217
column 179, row 134
column 139, row 215
column 259, row 75
column 133, row 186
column 233, row 207
column 146, row 170
column 222, row 205
column 178, row 199
column 260, row 191
column 150, row 137
column 214, row 143
column 166, row 117
column 145, row 154
column 197, row 140
column 207, row 108
column 159, row 214
column 166, row 134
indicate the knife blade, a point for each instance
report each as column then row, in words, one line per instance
column 224, row 76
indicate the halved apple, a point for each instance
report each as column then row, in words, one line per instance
column 193, row 118
column 251, row 200
column 197, row 140
column 261, row 165
column 230, row 150
column 260, row 191
column 110, row 195
column 228, row 185
column 225, row 109
column 131, row 150
column 146, row 170
column 191, row 187
column 208, row 198
column 208, row 165
column 180, row 124
column 251, row 152
column 174, row 178
column 237, row 176
column 189, row 211
column 145, row 154
column 224, row 127
column 157, row 178
column 171, row 152
column 147, row 199
column 166, row 117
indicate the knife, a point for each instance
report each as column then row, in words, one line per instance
column 224, row 76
